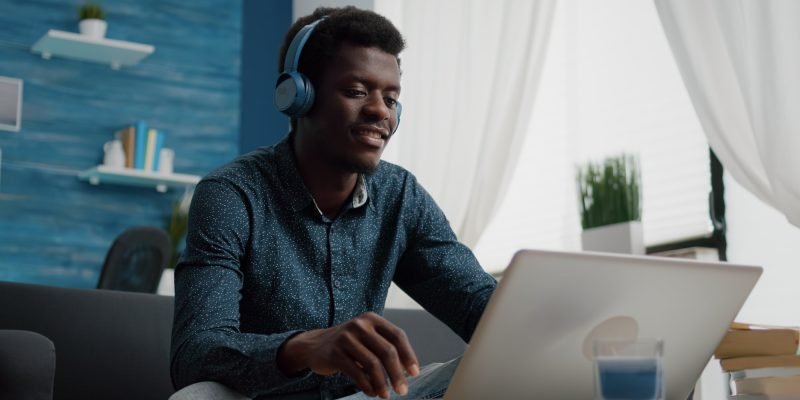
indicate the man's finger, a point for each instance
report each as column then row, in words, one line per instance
column 397, row 337
column 351, row 368
column 371, row 366
column 390, row 359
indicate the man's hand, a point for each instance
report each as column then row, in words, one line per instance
column 362, row 348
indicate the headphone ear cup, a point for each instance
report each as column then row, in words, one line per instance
column 285, row 93
column 294, row 94
column 399, row 108
column 308, row 97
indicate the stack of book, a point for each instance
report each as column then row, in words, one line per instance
column 762, row 361
column 142, row 146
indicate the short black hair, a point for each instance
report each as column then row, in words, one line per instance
column 347, row 24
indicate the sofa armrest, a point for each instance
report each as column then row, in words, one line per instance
column 27, row 365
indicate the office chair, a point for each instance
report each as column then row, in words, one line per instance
column 136, row 260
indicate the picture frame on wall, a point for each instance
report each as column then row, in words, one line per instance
column 10, row 104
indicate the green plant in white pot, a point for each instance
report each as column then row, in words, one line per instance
column 609, row 194
column 93, row 22
column 177, row 226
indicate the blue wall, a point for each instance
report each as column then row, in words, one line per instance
column 56, row 229
column 265, row 23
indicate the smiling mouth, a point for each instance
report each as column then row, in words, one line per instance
column 372, row 133
column 372, row 137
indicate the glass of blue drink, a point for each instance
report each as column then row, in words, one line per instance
column 628, row 369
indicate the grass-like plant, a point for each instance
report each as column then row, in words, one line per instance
column 178, row 225
column 609, row 192
column 92, row 11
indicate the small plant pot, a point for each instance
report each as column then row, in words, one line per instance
column 625, row 237
column 94, row 28
column 166, row 286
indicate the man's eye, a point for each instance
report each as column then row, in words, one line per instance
column 354, row 93
column 390, row 102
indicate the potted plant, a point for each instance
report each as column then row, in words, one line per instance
column 93, row 22
column 177, row 225
column 610, row 204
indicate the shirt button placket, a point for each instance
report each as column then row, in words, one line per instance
column 336, row 283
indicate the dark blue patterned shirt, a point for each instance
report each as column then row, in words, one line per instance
column 262, row 263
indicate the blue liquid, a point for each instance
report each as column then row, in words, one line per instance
column 629, row 378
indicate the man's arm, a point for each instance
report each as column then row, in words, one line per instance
column 438, row 271
column 206, row 341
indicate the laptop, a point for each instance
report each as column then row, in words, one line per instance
column 534, row 341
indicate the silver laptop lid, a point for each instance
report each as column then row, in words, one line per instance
column 535, row 337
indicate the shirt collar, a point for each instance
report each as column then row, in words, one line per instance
column 296, row 191
column 360, row 194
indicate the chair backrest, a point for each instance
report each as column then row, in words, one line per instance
column 136, row 260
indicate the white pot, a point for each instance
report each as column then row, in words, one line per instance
column 95, row 28
column 166, row 286
column 625, row 237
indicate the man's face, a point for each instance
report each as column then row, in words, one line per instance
column 354, row 110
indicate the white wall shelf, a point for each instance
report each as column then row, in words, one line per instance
column 135, row 177
column 116, row 53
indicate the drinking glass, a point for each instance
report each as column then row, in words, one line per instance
column 628, row 369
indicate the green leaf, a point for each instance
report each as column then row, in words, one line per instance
column 91, row 10
column 609, row 192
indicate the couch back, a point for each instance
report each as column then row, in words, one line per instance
column 112, row 344
column 109, row 344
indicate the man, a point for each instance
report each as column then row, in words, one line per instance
column 291, row 249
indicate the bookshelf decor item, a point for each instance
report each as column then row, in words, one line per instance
column 137, row 156
column 134, row 177
column 10, row 104
column 93, row 21
column 610, row 204
column 90, row 44
column 116, row 53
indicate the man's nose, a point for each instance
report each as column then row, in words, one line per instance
column 376, row 107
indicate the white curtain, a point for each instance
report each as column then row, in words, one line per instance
column 470, row 76
column 740, row 62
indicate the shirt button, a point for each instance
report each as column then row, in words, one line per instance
column 337, row 283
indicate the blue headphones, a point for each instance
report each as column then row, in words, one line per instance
column 294, row 93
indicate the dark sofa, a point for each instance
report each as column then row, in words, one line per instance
column 115, row 345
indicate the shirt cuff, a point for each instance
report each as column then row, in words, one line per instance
column 297, row 376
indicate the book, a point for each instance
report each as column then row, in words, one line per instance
column 743, row 363
column 765, row 372
column 150, row 149
column 746, row 326
column 157, row 151
column 758, row 342
column 787, row 387
column 127, row 136
column 141, row 145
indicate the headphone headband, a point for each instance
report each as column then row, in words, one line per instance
column 292, row 60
